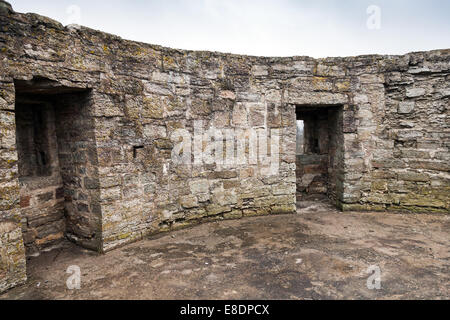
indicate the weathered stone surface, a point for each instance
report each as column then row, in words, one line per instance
column 413, row 176
column 189, row 202
column 226, row 197
column 382, row 135
column 5, row 7
column 199, row 186
column 414, row 92
column 406, row 107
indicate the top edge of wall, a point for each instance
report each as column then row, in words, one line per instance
column 34, row 18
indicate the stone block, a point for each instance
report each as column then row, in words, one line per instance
column 406, row 107
column 240, row 115
column 257, row 114
column 199, row 186
column 415, row 92
column 413, row 176
column 225, row 197
column 189, row 202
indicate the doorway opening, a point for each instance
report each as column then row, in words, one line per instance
column 53, row 144
column 319, row 155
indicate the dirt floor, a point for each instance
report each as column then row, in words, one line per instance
column 318, row 253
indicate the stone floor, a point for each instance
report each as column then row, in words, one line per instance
column 317, row 254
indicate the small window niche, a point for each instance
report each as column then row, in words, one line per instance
column 137, row 150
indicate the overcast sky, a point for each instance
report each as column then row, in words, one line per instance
column 317, row 28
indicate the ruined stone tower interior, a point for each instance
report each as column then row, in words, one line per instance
column 88, row 120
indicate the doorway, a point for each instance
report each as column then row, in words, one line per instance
column 319, row 155
column 54, row 139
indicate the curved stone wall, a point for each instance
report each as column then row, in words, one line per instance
column 120, row 179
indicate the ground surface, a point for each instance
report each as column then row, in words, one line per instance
column 316, row 254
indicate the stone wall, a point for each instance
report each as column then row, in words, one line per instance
column 12, row 250
column 79, row 168
column 411, row 162
column 394, row 136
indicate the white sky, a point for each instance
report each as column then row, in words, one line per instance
column 317, row 28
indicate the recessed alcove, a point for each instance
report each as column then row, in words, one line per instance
column 52, row 138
